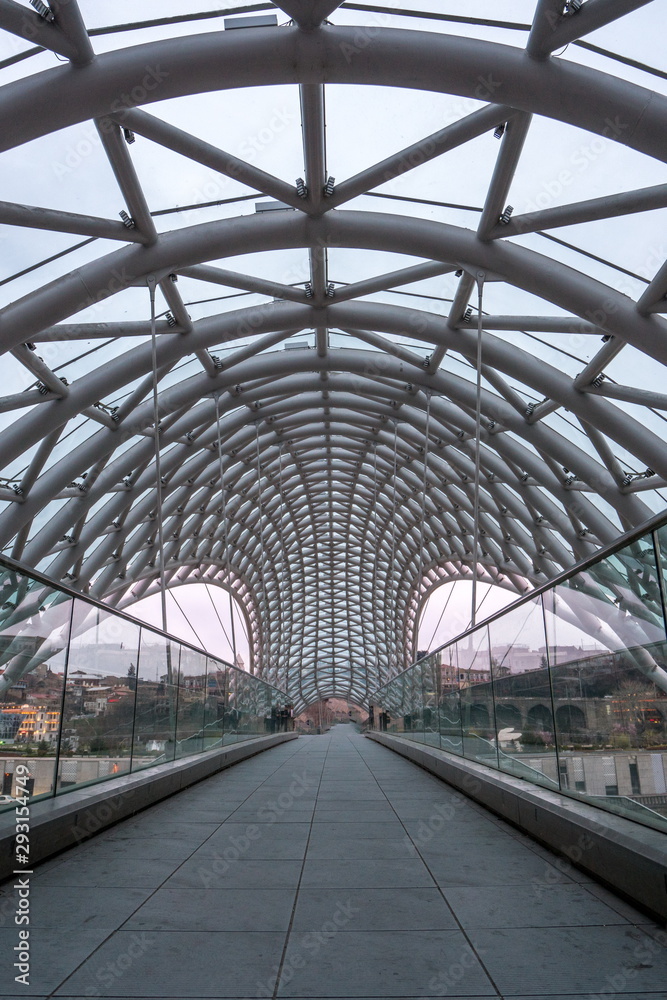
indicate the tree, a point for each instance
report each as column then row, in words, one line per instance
column 132, row 677
column 635, row 697
column 42, row 748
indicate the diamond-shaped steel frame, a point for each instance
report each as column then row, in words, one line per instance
column 324, row 530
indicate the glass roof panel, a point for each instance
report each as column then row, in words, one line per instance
column 339, row 418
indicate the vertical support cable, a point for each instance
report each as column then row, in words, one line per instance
column 423, row 517
column 478, row 429
column 151, row 282
column 261, row 541
column 393, row 547
column 376, row 558
column 226, row 523
column 283, row 566
column 158, row 467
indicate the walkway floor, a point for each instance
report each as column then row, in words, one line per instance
column 327, row 867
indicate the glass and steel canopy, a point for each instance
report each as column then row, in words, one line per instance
column 373, row 373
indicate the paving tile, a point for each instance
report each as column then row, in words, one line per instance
column 220, row 873
column 366, row 874
column 440, row 843
column 356, row 850
column 270, row 814
column 125, row 870
column 617, row 959
column 374, row 963
column 239, row 910
column 178, row 964
column 363, row 797
column 324, row 833
column 141, row 829
column 408, row 908
column 53, row 957
column 488, row 870
column 529, row 906
column 337, row 812
column 152, row 848
column 82, row 907
column 260, row 840
column 620, row 906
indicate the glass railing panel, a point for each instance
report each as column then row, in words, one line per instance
column 476, row 690
column 268, row 713
column 100, row 693
column 388, row 706
column 418, row 697
column 237, row 721
column 430, row 699
column 396, row 705
column 192, row 682
column 118, row 696
column 451, row 734
column 567, row 688
column 34, row 636
column 215, row 701
column 525, row 731
column 404, row 720
column 279, row 718
column 607, row 653
column 412, row 697
column 157, row 700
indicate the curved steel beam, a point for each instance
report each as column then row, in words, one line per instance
column 175, row 67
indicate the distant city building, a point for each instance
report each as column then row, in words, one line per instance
column 28, row 722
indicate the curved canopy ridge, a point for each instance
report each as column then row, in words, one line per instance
column 324, row 451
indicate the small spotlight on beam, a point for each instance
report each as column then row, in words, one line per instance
column 506, row 216
column 44, row 12
column 127, row 220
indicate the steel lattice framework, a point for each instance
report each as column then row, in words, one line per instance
column 331, row 488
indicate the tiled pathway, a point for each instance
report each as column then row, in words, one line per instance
column 327, row 867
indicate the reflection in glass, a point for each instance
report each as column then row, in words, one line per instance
column 192, row 684
column 98, row 708
column 34, row 635
column 567, row 689
column 522, row 693
column 431, row 699
column 606, row 644
column 215, row 700
column 451, row 736
column 476, row 691
column 89, row 694
column 157, row 700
